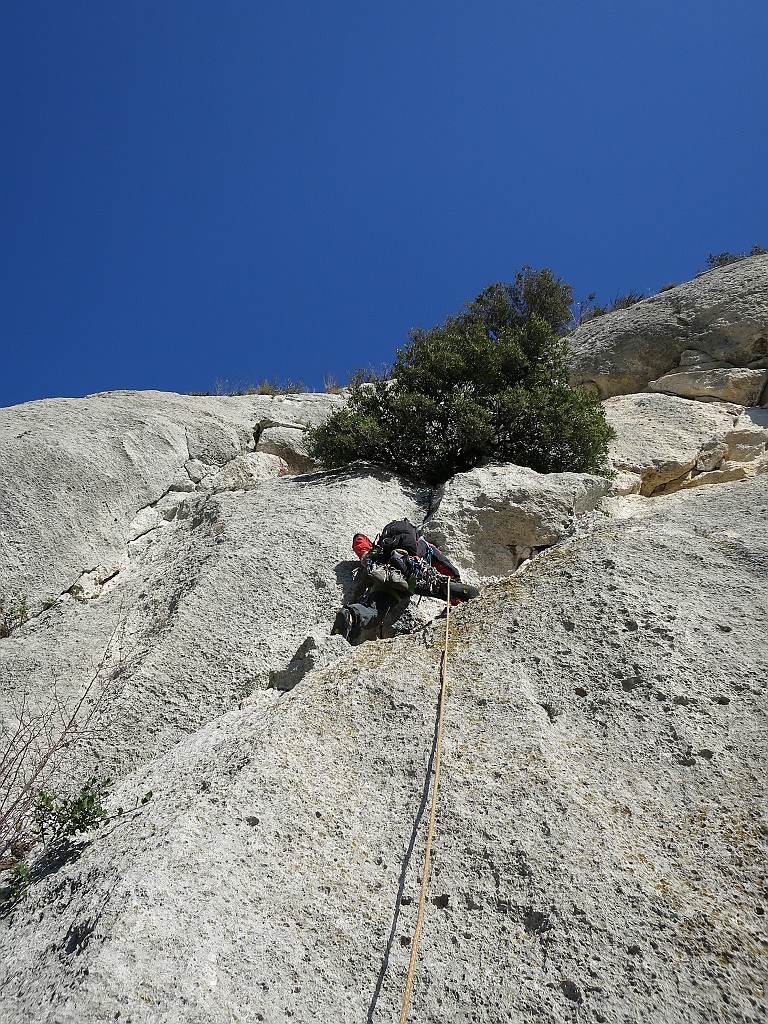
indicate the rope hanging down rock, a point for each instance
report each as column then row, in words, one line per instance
column 432, row 815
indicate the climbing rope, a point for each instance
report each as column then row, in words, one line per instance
column 432, row 814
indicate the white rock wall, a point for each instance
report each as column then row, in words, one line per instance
column 707, row 338
column 77, row 472
column 597, row 855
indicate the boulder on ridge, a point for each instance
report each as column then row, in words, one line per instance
column 720, row 320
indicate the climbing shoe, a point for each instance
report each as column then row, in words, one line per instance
column 459, row 591
column 390, row 578
column 343, row 623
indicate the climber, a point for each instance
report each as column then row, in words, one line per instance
column 398, row 564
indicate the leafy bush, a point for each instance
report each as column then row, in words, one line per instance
column 489, row 383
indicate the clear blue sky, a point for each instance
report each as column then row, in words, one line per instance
column 240, row 190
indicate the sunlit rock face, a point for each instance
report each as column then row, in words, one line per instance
column 598, row 844
column 84, row 477
column 671, row 443
column 705, row 339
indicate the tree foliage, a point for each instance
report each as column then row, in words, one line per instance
column 488, row 384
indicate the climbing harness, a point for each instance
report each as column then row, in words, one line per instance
column 432, row 814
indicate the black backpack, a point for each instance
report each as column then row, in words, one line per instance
column 398, row 534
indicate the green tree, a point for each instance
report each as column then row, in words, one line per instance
column 489, row 383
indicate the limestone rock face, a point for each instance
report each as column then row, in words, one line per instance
column 717, row 321
column 494, row 517
column 670, row 443
column 598, row 853
column 599, row 819
column 77, row 471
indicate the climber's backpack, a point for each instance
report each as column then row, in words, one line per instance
column 398, row 534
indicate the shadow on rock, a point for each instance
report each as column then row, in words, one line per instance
column 351, row 578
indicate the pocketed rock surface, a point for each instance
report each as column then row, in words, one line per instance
column 600, row 820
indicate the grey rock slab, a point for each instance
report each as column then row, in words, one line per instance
column 303, row 410
column 493, row 517
column 722, row 315
column 205, row 606
column 598, row 851
column 77, row 471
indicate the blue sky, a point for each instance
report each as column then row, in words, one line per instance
column 193, row 191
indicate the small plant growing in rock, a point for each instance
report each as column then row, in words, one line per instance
column 35, row 741
column 19, row 881
column 57, row 821
column 223, row 389
column 14, row 612
column 723, row 259
column 625, row 301
column 589, row 309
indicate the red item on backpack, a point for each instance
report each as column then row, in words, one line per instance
column 361, row 545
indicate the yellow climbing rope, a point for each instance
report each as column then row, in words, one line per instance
column 432, row 815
